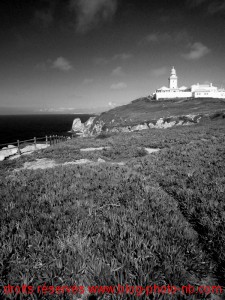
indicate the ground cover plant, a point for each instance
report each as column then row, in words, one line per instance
column 145, row 110
column 65, row 220
column 158, row 219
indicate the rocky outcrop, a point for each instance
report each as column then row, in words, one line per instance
column 163, row 124
column 11, row 152
column 7, row 152
column 95, row 125
column 139, row 127
column 83, row 129
column 87, row 126
column 77, row 125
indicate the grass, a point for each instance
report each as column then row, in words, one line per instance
column 146, row 110
column 158, row 219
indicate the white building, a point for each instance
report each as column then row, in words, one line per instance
column 195, row 91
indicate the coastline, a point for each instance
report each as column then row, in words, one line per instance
column 24, row 127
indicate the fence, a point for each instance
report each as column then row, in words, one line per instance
column 48, row 140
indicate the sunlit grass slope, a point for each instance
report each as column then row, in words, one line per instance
column 157, row 219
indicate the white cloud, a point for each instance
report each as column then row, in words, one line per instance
column 197, row 50
column 180, row 36
column 159, row 71
column 118, row 86
column 212, row 7
column 87, row 81
column 122, row 56
column 217, row 7
column 92, row 12
column 157, row 37
column 62, row 64
column 153, row 37
column 104, row 61
column 118, row 71
column 41, row 66
column 101, row 61
column 112, row 104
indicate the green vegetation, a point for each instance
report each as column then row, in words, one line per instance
column 157, row 219
column 145, row 110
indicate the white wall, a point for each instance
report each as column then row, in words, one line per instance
column 173, row 94
column 173, row 83
column 206, row 94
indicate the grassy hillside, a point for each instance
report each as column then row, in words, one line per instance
column 157, row 219
column 144, row 110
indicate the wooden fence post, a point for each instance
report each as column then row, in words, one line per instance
column 18, row 145
column 46, row 140
column 35, row 143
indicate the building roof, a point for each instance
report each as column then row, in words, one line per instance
column 204, row 85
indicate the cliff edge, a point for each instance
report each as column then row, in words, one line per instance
column 145, row 113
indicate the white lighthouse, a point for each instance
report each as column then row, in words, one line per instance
column 173, row 79
column 194, row 91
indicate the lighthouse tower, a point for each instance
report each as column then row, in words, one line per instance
column 173, row 79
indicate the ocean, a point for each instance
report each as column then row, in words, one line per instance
column 24, row 127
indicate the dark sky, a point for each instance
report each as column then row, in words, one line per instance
column 92, row 53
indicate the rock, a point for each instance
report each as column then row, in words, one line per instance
column 169, row 124
column 139, row 127
column 179, row 123
column 192, row 117
column 89, row 122
column 151, row 125
column 87, row 126
column 160, row 124
column 93, row 149
column 151, row 150
column 120, row 129
column 2, row 157
column 101, row 160
column 77, row 125
column 31, row 148
column 8, row 152
column 97, row 128
column 79, row 161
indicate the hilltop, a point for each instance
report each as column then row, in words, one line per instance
column 144, row 113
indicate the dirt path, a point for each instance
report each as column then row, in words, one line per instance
column 45, row 163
